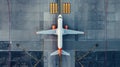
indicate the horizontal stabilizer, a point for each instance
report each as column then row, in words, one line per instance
column 63, row 53
column 47, row 32
column 54, row 53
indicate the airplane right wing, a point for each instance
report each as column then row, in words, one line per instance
column 47, row 32
column 67, row 31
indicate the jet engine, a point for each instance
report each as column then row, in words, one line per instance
column 53, row 26
column 66, row 27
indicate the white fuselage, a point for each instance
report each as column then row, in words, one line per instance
column 60, row 32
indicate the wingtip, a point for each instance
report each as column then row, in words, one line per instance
column 81, row 33
column 84, row 33
column 36, row 32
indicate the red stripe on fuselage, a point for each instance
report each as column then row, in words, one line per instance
column 59, row 51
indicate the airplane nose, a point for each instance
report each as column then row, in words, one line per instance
column 60, row 16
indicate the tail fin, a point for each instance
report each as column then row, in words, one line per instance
column 56, row 53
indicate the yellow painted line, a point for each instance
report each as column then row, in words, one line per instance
column 56, row 8
column 51, row 8
column 63, row 9
column 69, row 6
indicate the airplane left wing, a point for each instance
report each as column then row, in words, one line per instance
column 67, row 31
column 47, row 32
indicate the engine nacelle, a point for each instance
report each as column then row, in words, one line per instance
column 66, row 27
column 53, row 26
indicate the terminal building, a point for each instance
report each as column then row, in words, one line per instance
column 20, row 46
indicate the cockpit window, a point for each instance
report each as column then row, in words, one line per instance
column 60, row 17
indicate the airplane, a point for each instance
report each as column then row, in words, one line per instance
column 60, row 31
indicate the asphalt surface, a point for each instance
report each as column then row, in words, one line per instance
column 28, row 16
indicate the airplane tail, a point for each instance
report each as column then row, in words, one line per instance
column 58, row 53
